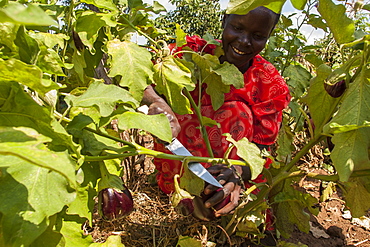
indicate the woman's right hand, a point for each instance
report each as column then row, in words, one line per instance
column 158, row 105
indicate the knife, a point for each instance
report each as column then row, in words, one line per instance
column 177, row 148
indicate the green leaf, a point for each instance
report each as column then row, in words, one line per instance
column 171, row 76
column 17, row 108
column 70, row 228
column 14, row 196
column 314, row 59
column 88, row 26
column 242, row 7
column 83, row 204
column 357, row 197
column 191, row 183
column 27, row 46
column 49, row 62
column 28, row 75
column 187, row 241
column 299, row 79
column 351, row 148
column 157, row 125
column 25, row 15
column 48, row 238
column 290, row 210
column 180, row 36
column 355, row 108
column 133, row 63
column 112, row 241
column 105, row 97
column 32, row 194
column 250, row 153
column 298, row 4
column 105, row 4
column 337, row 128
column 34, row 152
column 8, row 32
column 340, row 25
column 250, row 222
column 319, row 102
column 351, row 152
column 218, row 77
column 50, row 40
column 285, row 142
column 317, row 22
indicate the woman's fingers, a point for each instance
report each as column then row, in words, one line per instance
column 220, row 195
column 234, row 201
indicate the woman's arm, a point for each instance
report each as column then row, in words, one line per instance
column 158, row 105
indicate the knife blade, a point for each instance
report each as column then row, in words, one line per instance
column 177, row 148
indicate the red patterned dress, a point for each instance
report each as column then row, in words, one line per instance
column 254, row 112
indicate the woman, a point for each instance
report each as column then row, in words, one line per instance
column 254, row 111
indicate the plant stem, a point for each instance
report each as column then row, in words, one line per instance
column 202, row 127
column 302, row 152
column 141, row 32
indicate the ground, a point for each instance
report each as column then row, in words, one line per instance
column 154, row 222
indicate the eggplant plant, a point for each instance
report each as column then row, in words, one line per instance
column 59, row 150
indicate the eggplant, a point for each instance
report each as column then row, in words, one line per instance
column 335, row 90
column 114, row 204
column 181, row 200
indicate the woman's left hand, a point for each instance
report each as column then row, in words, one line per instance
column 231, row 186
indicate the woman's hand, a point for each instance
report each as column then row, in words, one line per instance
column 231, row 186
column 158, row 105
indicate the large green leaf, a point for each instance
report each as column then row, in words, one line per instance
column 157, row 125
column 106, row 4
column 28, row 75
column 242, row 7
column 218, row 77
column 29, row 14
column 298, row 4
column 27, row 46
column 88, row 26
column 73, row 235
column 14, row 196
column 30, row 194
column 49, row 62
column 340, row 25
column 351, row 152
column 8, row 32
column 133, row 63
column 355, row 106
column 299, row 79
column 250, row 153
column 171, row 76
column 357, row 197
column 320, row 103
column 17, row 108
column 103, row 96
column 291, row 210
column 33, row 150
column 351, row 147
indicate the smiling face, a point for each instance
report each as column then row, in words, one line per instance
column 245, row 36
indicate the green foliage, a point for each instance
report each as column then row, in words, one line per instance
column 195, row 17
column 61, row 85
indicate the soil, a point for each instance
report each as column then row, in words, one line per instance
column 154, row 222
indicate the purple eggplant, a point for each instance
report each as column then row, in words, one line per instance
column 181, row 200
column 114, row 204
column 336, row 90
